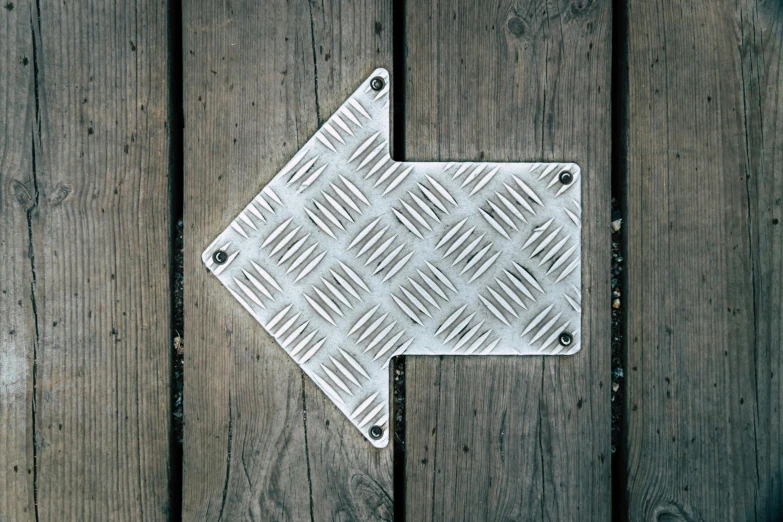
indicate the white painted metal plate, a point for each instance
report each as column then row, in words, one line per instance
column 348, row 258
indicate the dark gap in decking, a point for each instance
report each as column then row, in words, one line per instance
column 398, row 439
column 176, row 257
column 398, row 78
column 619, row 101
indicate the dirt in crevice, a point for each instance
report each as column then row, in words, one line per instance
column 618, row 326
column 178, row 327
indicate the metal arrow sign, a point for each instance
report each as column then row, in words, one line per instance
column 349, row 258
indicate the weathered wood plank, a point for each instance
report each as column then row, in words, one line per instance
column 351, row 480
column 762, row 75
column 262, row 442
column 514, row 438
column 89, row 156
column 705, row 151
column 17, row 331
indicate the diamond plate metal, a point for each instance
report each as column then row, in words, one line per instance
column 348, row 258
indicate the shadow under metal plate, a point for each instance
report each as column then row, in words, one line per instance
column 349, row 258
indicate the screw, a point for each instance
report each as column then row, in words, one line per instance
column 376, row 432
column 377, row 83
column 220, row 257
column 566, row 339
column 566, row 177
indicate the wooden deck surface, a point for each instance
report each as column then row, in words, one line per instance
column 85, row 304
column 520, row 438
column 704, row 437
column 672, row 107
column 262, row 442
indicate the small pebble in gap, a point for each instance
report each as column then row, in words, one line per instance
column 617, row 225
column 616, row 304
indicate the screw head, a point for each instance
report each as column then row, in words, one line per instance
column 566, row 339
column 219, row 257
column 566, row 177
column 377, row 83
column 376, row 432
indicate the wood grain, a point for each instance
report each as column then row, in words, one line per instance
column 17, row 324
column 705, row 151
column 514, row 438
column 86, row 156
column 262, row 442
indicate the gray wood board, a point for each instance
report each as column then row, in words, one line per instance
column 514, row 438
column 704, row 437
column 84, row 165
column 17, row 332
column 262, row 442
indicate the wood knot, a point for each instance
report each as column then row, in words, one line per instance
column 581, row 6
column 516, row 26
column 674, row 512
column 668, row 517
column 60, row 193
column 574, row 9
column 21, row 194
column 369, row 498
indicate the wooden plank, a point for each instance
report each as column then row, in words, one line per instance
column 514, row 438
column 705, row 151
column 351, row 480
column 17, row 333
column 762, row 66
column 262, row 442
column 89, row 155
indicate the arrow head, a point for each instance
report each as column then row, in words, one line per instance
column 349, row 258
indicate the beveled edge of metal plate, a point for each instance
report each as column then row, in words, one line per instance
column 349, row 258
